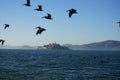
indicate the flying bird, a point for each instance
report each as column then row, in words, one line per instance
column 71, row 12
column 118, row 23
column 2, row 41
column 27, row 3
column 39, row 8
column 6, row 26
column 48, row 16
column 40, row 30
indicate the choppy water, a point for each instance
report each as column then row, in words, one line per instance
column 59, row 65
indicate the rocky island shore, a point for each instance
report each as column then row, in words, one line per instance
column 53, row 46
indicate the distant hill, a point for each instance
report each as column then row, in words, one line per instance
column 104, row 45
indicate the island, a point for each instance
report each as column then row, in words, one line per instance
column 53, row 46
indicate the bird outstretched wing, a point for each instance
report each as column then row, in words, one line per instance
column 2, row 41
column 73, row 10
column 70, row 14
column 118, row 23
column 38, row 27
column 28, row 1
column 43, row 29
column 40, row 7
column 49, row 15
column 6, row 25
column 38, row 31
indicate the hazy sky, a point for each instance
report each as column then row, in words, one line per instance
column 96, row 21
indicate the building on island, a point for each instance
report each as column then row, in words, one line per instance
column 53, row 46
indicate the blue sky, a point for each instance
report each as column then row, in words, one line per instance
column 95, row 21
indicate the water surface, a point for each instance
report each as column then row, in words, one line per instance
column 59, row 65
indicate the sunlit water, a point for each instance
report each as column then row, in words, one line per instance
column 59, row 65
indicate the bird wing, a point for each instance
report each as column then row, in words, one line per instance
column 42, row 30
column 28, row 1
column 73, row 10
column 3, row 42
column 6, row 25
column 49, row 15
column 118, row 22
column 70, row 14
column 38, row 27
column 40, row 7
column 38, row 32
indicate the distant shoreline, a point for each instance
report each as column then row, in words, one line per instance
column 60, row 50
column 108, row 45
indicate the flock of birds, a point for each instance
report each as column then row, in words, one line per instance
column 48, row 16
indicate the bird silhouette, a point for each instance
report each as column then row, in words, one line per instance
column 118, row 23
column 6, row 26
column 27, row 3
column 71, row 12
column 39, row 8
column 40, row 30
column 2, row 41
column 48, row 16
